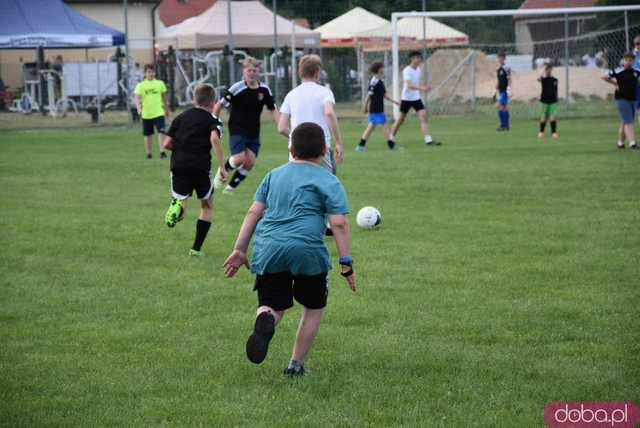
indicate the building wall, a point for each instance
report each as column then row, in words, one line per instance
column 110, row 14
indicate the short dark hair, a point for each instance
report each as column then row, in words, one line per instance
column 548, row 65
column 307, row 141
column 204, row 95
column 375, row 67
column 149, row 67
column 629, row 55
column 502, row 54
column 415, row 53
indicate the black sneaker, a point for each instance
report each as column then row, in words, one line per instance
column 258, row 342
column 620, row 146
column 290, row 371
column 634, row 147
column 433, row 143
column 149, row 156
column 163, row 155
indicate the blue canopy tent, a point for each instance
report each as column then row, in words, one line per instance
column 51, row 24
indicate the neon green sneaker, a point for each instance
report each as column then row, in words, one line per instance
column 195, row 253
column 217, row 180
column 174, row 213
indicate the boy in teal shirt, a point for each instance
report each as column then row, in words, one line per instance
column 289, row 258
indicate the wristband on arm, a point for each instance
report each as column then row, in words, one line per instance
column 346, row 261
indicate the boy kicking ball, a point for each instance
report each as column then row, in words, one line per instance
column 374, row 105
column 190, row 138
column 548, row 101
column 289, row 258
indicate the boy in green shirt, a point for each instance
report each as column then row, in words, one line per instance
column 152, row 105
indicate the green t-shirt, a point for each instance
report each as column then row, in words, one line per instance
column 150, row 93
column 290, row 235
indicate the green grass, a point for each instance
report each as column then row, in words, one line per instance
column 505, row 277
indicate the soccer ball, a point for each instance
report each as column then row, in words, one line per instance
column 368, row 218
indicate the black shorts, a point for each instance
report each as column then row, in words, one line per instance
column 277, row 290
column 405, row 106
column 183, row 185
column 149, row 124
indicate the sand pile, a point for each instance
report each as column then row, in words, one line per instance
column 583, row 82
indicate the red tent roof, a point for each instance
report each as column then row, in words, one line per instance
column 173, row 12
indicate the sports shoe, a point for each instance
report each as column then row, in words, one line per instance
column 258, row 342
column 229, row 191
column 360, row 148
column 290, row 371
column 634, row 147
column 620, row 145
column 149, row 156
column 163, row 155
column 540, row 134
column 433, row 143
column 217, row 180
column 554, row 135
column 195, row 253
column 174, row 213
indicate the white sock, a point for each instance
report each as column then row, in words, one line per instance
column 620, row 143
column 392, row 138
column 428, row 139
column 232, row 163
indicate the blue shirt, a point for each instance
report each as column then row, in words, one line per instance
column 290, row 235
column 636, row 63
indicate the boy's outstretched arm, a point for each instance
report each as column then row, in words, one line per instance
column 167, row 143
column 332, row 121
column 238, row 256
column 340, row 229
column 283, row 124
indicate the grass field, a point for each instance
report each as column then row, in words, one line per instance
column 505, row 276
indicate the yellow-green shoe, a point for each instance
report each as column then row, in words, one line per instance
column 195, row 253
column 174, row 213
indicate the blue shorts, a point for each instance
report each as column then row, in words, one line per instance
column 149, row 124
column 239, row 143
column 503, row 98
column 627, row 110
column 377, row 118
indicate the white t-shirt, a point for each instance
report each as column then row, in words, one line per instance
column 305, row 103
column 413, row 75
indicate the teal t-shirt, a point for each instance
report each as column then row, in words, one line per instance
column 290, row 235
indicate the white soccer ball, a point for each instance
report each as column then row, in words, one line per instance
column 369, row 218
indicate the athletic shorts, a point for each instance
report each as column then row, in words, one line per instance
column 502, row 98
column 239, row 143
column 626, row 110
column 377, row 118
column 183, row 185
column 277, row 290
column 149, row 124
column 405, row 106
column 548, row 109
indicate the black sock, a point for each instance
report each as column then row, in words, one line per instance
column 542, row 126
column 237, row 178
column 202, row 228
column 553, row 126
column 227, row 166
column 391, row 144
column 362, row 142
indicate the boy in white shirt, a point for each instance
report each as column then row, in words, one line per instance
column 411, row 99
column 311, row 102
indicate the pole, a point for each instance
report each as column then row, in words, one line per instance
column 626, row 31
column 275, row 50
column 394, row 62
column 424, row 46
column 566, row 56
column 294, row 71
column 232, row 65
column 98, row 89
column 472, row 79
column 127, row 73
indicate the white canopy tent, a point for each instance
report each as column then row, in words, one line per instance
column 252, row 27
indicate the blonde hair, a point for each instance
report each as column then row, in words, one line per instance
column 310, row 66
column 250, row 62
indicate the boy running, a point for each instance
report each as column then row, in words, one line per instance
column 153, row 107
column 625, row 79
column 548, row 101
column 246, row 99
column 312, row 102
column 503, row 91
column 411, row 99
column 190, row 137
column 289, row 257
column 374, row 105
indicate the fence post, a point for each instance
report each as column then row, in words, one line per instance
column 472, row 80
column 626, row 31
column 566, row 59
column 98, row 90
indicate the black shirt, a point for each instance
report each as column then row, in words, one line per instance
column 376, row 93
column 246, row 107
column 627, row 79
column 191, row 134
column 504, row 74
column 549, row 93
